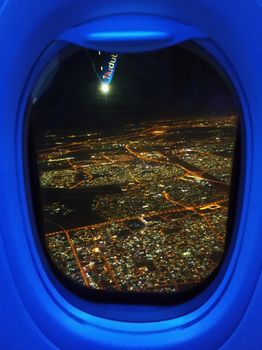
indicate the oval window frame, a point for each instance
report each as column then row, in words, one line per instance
column 162, row 310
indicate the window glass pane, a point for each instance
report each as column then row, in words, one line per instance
column 131, row 164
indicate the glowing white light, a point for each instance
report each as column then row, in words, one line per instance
column 105, row 88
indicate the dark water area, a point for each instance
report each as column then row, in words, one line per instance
column 223, row 187
column 80, row 203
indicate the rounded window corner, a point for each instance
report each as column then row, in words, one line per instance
column 75, row 72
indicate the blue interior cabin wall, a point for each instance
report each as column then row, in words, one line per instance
column 33, row 313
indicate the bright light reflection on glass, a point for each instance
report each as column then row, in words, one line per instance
column 104, row 88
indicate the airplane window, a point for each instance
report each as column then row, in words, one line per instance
column 132, row 160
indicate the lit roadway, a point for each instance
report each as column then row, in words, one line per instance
column 189, row 172
column 195, row 209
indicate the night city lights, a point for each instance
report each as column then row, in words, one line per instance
column 154, row 201
column 134, row 189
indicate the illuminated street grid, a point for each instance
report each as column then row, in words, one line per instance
column 160, row 190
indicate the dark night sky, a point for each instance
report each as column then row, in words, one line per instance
column 170, row 82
